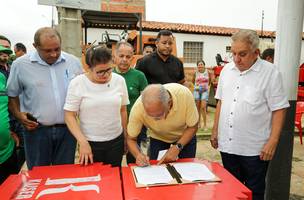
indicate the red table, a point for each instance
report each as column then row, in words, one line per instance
column 95, row 181
column 228, row 189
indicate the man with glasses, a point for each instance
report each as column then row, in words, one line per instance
column 42, row 77
column 170, row 113
column 249, row 114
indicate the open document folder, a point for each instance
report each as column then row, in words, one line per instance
column 172, row 173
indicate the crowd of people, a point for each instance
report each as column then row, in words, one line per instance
column 49, row 105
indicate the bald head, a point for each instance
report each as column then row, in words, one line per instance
column 155, row 99
column 47, row 42
column 155, row 93
column 45, row 32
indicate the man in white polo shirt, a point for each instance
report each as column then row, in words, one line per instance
column 250, row 113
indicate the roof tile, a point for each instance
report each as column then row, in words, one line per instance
column 197, row 29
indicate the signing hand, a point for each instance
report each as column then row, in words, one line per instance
column 142, row 160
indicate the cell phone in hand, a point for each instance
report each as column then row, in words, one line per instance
column 31, row 117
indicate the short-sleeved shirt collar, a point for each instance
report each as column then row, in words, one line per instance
column 169, row 59
column 35, row 57
column 174, row 102
column 255, row 67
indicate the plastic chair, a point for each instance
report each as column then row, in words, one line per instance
column 298, row 123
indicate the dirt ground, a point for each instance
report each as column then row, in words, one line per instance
column 205, row 151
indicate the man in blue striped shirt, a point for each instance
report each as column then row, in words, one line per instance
column 42, row 77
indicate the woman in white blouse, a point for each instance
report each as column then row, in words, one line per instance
column 99, row 99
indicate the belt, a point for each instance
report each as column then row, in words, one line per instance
column 55, row 125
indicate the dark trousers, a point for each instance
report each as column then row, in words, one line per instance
column 188, row 151
column 109, row 152
column 141, row 137
column 49, row 145
column 250, row 170
column 9, row 167
column 19, row 129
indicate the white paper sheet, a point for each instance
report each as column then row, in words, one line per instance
column 194, row 171
column 154, row 174
column 161, row 154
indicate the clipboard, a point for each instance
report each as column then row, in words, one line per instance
column 171, row 174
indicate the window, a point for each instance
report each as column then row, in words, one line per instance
column 228, row 49
column 193, row 51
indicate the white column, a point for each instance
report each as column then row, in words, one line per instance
column 288, row 43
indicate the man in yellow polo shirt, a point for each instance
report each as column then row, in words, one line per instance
column 170, row 113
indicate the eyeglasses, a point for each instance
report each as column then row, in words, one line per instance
column 104, row 72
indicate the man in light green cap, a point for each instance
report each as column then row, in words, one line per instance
column 4, row 57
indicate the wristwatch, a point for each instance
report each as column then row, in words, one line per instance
column 179, row 146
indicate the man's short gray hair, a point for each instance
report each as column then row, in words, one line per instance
column 249, row 36
column 119, row 44
column 155, row 93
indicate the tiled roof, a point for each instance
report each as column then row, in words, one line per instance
column 196, row 29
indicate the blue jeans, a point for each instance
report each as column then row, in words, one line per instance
column 249, row 170
column 188, row 151
column 49, row 145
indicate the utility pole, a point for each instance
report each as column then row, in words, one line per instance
column 69, row 27
column 262, row 27
column 287, row 59
column 53, row 21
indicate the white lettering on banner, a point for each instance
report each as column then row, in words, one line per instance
column 30, row 186
column 72, row 180
column 28, row 189
column 67, row 188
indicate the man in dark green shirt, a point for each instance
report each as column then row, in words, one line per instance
column 135, row 80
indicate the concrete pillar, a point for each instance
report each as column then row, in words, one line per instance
column 287, row 57
column 69, row 27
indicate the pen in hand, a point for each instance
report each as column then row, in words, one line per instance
column 142, row 160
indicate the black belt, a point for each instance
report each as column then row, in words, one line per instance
column 55, row 125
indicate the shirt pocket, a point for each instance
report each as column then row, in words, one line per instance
column 252, row 96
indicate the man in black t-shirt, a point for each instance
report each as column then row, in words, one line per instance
column 161, row 66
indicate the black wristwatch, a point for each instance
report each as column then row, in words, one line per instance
column 179, row 146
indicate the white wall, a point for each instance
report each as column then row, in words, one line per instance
column 212, row 44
